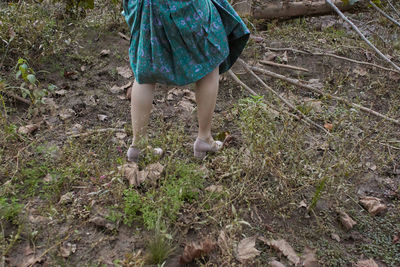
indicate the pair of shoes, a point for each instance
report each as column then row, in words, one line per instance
column 201, row 147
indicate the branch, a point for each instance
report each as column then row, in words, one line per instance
column 298, row 83
column 395, row 10
column 301, row 114
column 383, row 13
column 252, row 92
column 267, row 62
column 16, row 97
column 361, row 35
column 332, row 55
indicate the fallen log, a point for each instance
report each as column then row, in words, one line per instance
column 284, row 9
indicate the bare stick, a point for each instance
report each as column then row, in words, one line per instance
column 123, row 36
column 332, row 55
column 267, row 62
column 395, row 10
column 252, row 92
column 16, row 97
column 361, row 35
column 301, row 114
column 384, row 14
column 97, row 131
column 300, row 84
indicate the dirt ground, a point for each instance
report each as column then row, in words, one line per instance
column 66, row 201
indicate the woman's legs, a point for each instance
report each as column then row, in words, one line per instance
column 141, row 105
column 206, row 97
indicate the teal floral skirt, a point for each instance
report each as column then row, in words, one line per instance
column 180, row 41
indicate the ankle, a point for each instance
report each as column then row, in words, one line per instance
column 208, row 139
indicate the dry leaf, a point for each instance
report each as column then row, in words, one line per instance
column 246, row 249
column 222, row 242
column 30, row 261
column 284, row 57
column 66, row 198
column 309, row 258
column 131, row 172
column 105, row 52
column 346, row 220
column 269, row 56
column 102, row 117
column 196, row 250
column 366, row 263
column 215, row 188
column 275, row 264
column 67, row 249
column 396, row 239
column 154, row 171
column 360, row 71
column 283, row 247
column 302, row 204
column 186, row 105
column 373, row 205
column 328, row 126
column 66, row 113
column 335, row 237
column 125, row 72
column 116, row 89
column 102, row 222
column 28, row 129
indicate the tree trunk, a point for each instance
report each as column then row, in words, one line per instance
column 281, row 9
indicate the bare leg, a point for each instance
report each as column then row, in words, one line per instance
column 141, row 105
column 206, row 97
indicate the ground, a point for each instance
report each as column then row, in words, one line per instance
column 65, row 196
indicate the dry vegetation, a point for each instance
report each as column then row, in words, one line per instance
column 281, row 190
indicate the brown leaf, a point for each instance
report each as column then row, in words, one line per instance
column 328, row 126
column 309, row 258
column 131, row 172
column 215, row 188
column 283, row 247
column 360, row 71
column 373, row 205
column 196, row 250
column 222, row 242
column 105, row 52
column 269, row 56
column 67, row 249
column 154, row 171
column 366, row 263
column 246, row 249
column 28, row 129
column 276, row 264
column 30, row 261
column 125, row 72
column 335, row 237
column 346, row 220
column 396, row 239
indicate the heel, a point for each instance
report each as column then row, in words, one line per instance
column 199, row 154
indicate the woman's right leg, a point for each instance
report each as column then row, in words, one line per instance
column 141, row 104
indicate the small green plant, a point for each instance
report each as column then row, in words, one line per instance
column 9, row 209
column 159, row 247
column 30, row 85
column 180, row 186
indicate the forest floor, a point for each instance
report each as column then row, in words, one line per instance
column 67, row 197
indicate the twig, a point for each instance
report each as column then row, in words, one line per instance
column 361, row 35
column 267, row 62
column 16, row 97
column 298, row 83
column 123, row 36
column 383, row 13
column 395, row 10
column 96, row 131
column 252, row 92
column 332, row 55
column 301, row 114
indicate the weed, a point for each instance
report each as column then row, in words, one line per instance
column 180, row 185
column 10, row 209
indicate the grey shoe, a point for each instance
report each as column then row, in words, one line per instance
column 201, row 147
column 133, row 154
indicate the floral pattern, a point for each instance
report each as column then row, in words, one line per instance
column 180, row 41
